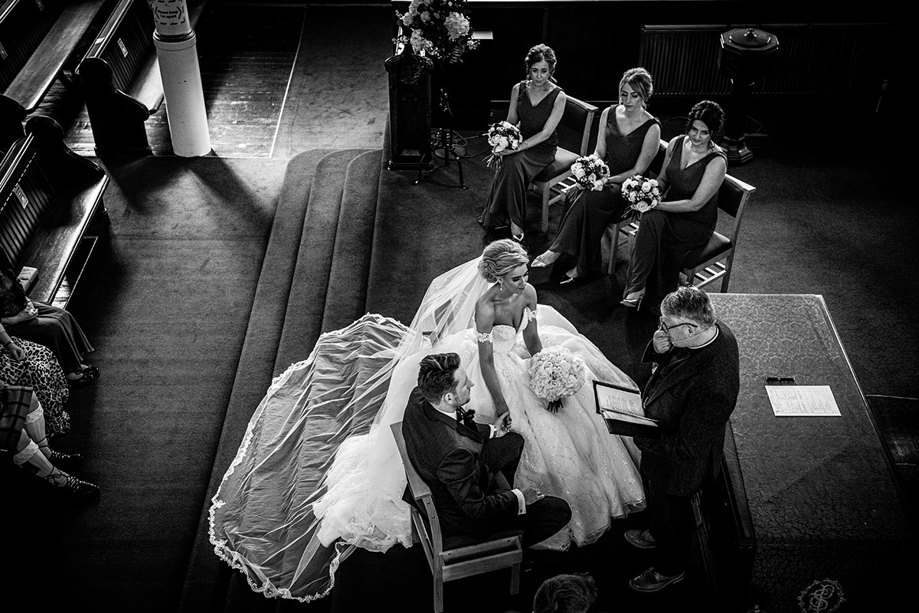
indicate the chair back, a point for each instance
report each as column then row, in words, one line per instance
column 573, row 129
column 426, row 522
column 657, row 164
column 732, row 197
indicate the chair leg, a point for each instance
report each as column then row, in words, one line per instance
column 438, row 593
column 727, row 273
column 515, row 579
column 544, row 221
column 613, row 249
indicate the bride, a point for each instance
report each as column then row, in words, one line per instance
column 318, row 473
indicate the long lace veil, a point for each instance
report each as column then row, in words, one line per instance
column 317, row 472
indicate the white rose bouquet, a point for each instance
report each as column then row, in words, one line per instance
column 642, row 195
column 589, row 171
column 555, row 374
column 502, row 136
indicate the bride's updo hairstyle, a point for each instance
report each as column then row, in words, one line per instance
column 501, row 257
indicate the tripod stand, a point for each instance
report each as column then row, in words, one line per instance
column 444, row 137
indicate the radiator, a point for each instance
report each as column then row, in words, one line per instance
column 812, row 59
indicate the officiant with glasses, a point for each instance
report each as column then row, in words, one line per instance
column 691, row 394
column 536, row 106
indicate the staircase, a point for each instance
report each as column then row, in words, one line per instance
column 313, row 280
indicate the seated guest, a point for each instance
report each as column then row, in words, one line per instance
column 681, row 225
column 470, row 467
column 44, row 324
column 628, row 140
column 536, row 107
column 22, row 434
column 565, row 594
column 26, row 363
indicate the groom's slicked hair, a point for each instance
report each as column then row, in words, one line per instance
column 437, row 375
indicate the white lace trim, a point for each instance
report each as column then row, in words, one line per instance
column 484, row 337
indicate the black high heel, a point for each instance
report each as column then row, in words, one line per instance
column 632, row 303
column 72, row 485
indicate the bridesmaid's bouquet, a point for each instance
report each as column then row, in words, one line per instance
column 502, row 136
column 641, row 194
column 555, row 374
column 589, row 172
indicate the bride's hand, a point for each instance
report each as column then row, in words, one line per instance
column 502, row 424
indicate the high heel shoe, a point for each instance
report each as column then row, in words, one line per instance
column 57, row 458
column 518, row 237
column 71, row 485
column 633, row 303
column 539, row 262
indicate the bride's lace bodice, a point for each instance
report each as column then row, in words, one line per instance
column 503, row 337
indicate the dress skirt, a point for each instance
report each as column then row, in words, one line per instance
column 507, row 199
column 581, row 228
column 58, row 330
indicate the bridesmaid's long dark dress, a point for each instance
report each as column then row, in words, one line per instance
column 581, row 229
column 507, row 200
column 665, row 240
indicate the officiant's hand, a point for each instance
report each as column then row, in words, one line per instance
column 661, row 342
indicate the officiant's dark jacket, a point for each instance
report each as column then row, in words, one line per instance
column 447, row 455
column 692, row 393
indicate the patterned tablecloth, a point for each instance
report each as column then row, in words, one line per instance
column 821, row 494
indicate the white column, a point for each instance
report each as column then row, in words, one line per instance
column 178, row 59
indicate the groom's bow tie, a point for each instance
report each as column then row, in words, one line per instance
column 465, row 417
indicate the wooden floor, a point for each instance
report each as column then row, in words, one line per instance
column 247, row 61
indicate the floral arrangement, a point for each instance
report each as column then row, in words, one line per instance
column 555, row 374
column 589, row 171
column 501, row 136
column 439, row 28
column 642, row 195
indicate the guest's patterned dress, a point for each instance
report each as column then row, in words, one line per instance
column 41, row 371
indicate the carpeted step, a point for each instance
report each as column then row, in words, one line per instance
column 309, row 286
column 206, row 577
column 347, row 290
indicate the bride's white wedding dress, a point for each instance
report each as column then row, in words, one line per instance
column 318, row 473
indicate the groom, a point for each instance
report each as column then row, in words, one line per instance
column 468, row 466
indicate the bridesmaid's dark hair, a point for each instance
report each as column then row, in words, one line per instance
column 639, row 80
column 436, row 375
column 711, row 114
column 500, row 257
column 541, row 53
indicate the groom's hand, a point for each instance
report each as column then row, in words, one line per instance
column 531, row 495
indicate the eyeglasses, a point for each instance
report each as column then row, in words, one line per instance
column 663, row 327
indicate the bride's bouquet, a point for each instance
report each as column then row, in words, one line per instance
column 555, row 374
column 502, row 135
column 641, row 194
column 589, row 172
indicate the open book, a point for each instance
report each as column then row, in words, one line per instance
column 621, row 409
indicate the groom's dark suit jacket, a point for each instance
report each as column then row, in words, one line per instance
column 692, row 393
column 469, row 497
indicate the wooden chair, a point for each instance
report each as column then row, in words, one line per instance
column 454, row 558
column 573, row 135
column 716, row 259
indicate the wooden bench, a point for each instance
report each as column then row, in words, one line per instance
column 121, row 80
column 37, row 38
column 48, row 198
column 716, row 259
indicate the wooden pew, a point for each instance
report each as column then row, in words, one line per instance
column 48, row 198
column 121, row 80
column 37, row 37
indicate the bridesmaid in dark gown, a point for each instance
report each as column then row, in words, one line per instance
column 628, row 141
column 536, row 107
column 681, row 225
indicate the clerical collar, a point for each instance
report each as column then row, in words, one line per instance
column 709, row 341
